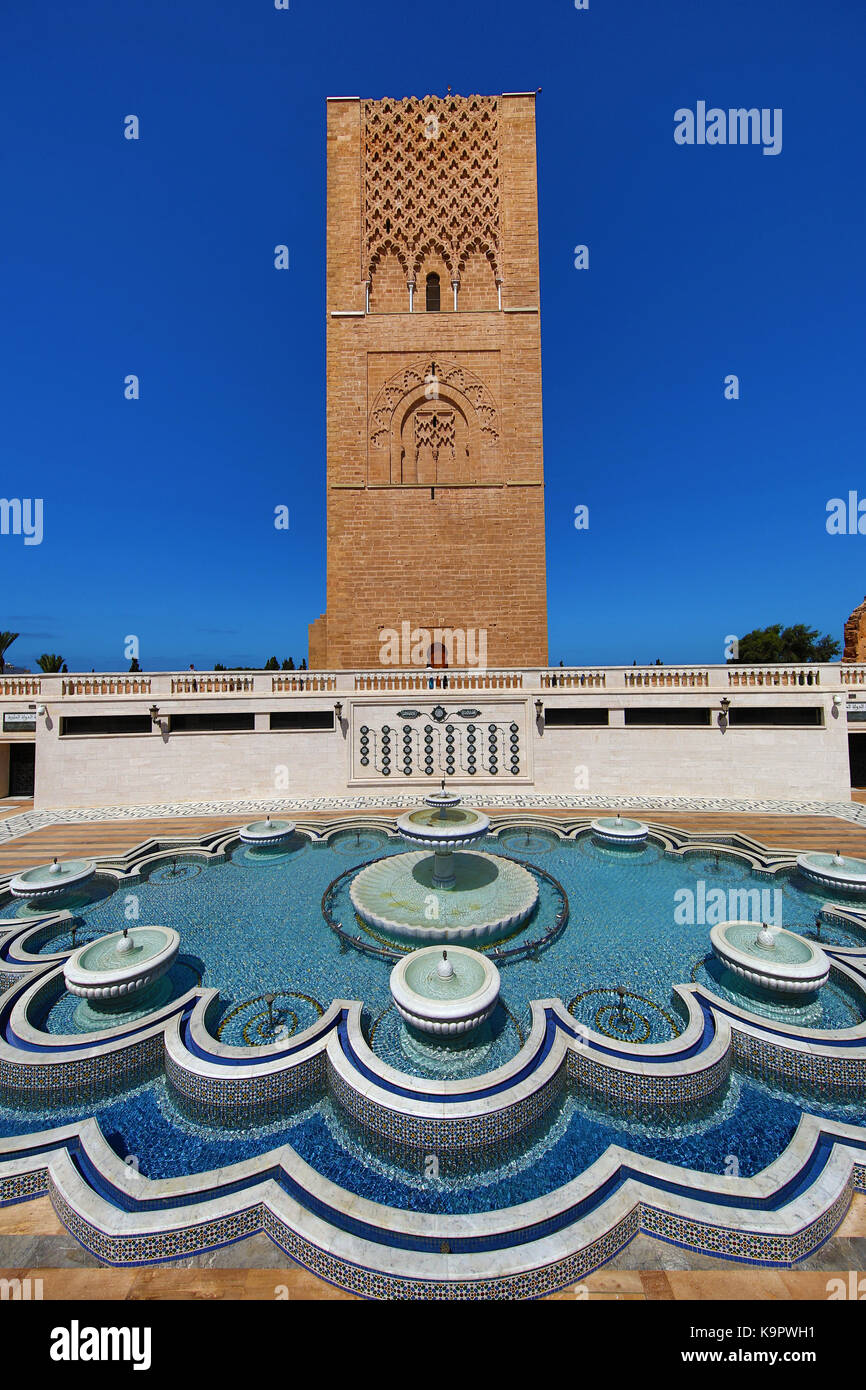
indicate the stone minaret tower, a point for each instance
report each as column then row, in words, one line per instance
column 435, row 484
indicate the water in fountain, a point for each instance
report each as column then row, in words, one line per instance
column 782, row 949
column 452, row 894
column 463, row 977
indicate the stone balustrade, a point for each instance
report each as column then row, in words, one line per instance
column 220, row 683
column 421, row 680
column 568, row 678
column 105, row 685
column 16, row 686
column 437, row 678
column 739, row 676
column 666, row 677
column 304, row 682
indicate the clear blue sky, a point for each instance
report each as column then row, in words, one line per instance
column 707, row 516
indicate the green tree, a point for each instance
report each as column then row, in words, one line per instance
column 6, row 640
column 49, row 662
column 289, row 664
column 133, row 665
column 304, row 664
column 777, row 645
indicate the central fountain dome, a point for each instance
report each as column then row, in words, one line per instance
column 450, row 895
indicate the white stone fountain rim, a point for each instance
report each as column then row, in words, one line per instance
column 449, row 837
column 630, row 829
column 445, row 1010
column 816, row 968
column 446, row 799
column 22, row 885
column 76, row 974
column 271, row 831
column 833, row 873
column 480, row 929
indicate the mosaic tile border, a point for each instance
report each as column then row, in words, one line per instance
column 212, row 1083
column 642, row 1076
column 129, row 1231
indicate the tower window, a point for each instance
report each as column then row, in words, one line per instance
column 434, row 293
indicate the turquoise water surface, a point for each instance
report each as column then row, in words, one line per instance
column 253, row 924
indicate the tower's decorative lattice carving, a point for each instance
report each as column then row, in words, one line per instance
column 431, row 182
column 435, row 430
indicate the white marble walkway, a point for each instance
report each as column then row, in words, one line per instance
column 13, row 827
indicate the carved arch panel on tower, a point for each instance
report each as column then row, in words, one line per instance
column 434, row 422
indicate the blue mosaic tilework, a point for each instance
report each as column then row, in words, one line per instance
column 240, row 1099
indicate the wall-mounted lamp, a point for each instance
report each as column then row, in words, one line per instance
column 338, row 711
column 40, row 709
column 723, row 713
column 539, row 709
column 838, row 702
column 154, row 715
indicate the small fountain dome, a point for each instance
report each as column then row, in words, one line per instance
column 445, row 993
column 771, row 957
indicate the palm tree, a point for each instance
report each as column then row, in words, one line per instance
column 6, row 640
column 48, row 662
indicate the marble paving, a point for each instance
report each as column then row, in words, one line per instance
column 14, row 826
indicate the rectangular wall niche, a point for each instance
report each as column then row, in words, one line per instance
column 303, row 719
column 224, row 723
column 84, row 724
column 741, row 715
column 575, row 717
column 668, row 715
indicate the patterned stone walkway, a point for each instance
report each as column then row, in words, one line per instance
column 15, row 825
column 70, row 839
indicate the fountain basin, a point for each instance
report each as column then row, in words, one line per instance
column 444, row 799
column 832, row 872
column 266, row 832
column 445, row 1005
column 619, row 829
column 48, row 879
column 488, row 897
column 104, row 970
column 448, row 828
column 792, row 965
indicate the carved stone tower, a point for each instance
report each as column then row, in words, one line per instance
column 435, row 484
